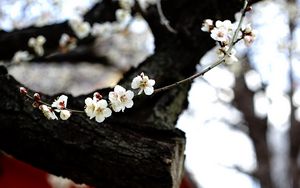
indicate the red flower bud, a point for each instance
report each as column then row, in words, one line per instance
column 23, row 90
column 97, row 96
column 249, row 8
column 37, row 97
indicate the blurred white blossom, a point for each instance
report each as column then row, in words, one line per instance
column 123, row 17
column 67, row 43
column 207, row 25
column 21, row 56
column 103, row 30
column 81, row 28
column 37, row 44
column 126, row 4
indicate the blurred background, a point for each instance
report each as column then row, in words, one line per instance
column 243, row 120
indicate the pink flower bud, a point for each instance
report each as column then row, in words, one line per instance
column 249, row 8
column 23, row 90
column 37, row 97
column 97, row 96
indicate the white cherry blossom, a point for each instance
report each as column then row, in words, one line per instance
column 97, row 108
column 90, row 106
column 48, row 112
column 101, row 110
column 120, row 98
column 223, row 31
column 143, row 83
column 220, row 34
column 64, row 114
column 60, row 103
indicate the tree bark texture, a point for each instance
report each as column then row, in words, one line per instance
column 139, row 148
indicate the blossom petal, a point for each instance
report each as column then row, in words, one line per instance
column 88, row 101
column 136, row 82
column 129, row 94
column 102, row 103
column 116, row 107
column 100, row 118
column 151, row 82
column 112, row 97
column 90, row 112
column 107, row 112
column 219, row 23
column 149, row 90
column 90, row 107
column 118, row 89
column 129, row 104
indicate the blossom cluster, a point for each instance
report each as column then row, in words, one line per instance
column 21, row 56
column 223, row 32
column 96, row 107
column 119, row 99
column 67, row 43
column 123, row 19
column 81, row 29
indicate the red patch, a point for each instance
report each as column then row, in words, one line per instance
column 16, row 174
column 62, row 104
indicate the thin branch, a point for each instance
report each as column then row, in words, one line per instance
column 163, row 18
column 220, row 61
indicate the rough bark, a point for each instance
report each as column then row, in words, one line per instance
column 137, row 148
